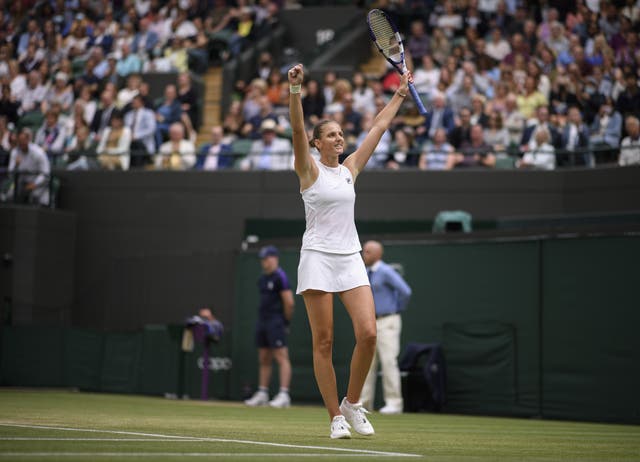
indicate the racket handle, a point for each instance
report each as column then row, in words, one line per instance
column 416, row 98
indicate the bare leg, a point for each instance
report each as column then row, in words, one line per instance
column 320, row 312
column 360, row 306
column 265, row 358
column 281, row 356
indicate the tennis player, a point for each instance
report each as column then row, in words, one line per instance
column 330, row 261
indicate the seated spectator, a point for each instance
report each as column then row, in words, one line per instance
column 495, row 134
column 167, row 113
column 269, row 152
column 497, row 48
column 59, row 92
column 363, row 96
column 630, row 146
column 102, row 117
column 418, row 42
column 474, row 153
column 51, row 136
column 478, row 114
column 628, row 102
column 528, row 141
column 426, row 77
column 440, row 116
column 313, row 101
column 440, row 46
column 145, row 40
column 215, row 155
column 352, row 125
column 101, row 38
column 115, row 144
column 462, row 131
column 605, row 132
column 126, row 94
column 450, row 21
column 129, row 63
column 381, row 153
column 460, row 96
column 233, row 120
column 8, row 105
column 542, row 156
column 33, row 94
column 32, row 166
column 530, row 98
column 437, row 154
column 142, row 123
column 177, row 153
column 402, row 152
column 574, row 141
column 81, row 150
column 252, row 128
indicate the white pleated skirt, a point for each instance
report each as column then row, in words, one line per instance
column 330, row 272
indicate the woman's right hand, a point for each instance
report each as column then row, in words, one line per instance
column 296, row 75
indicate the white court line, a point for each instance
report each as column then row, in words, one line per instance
column 214, row 440
column 137, row 440
column 175, row 454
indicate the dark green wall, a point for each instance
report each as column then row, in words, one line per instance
column 541, row 327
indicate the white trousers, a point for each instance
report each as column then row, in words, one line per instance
column 387, row 351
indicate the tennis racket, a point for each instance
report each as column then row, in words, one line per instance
column 388, row 41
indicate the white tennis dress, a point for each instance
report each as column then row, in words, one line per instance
column 330, row 256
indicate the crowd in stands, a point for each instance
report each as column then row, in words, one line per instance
column 507, row 83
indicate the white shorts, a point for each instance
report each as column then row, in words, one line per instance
column 330, row 272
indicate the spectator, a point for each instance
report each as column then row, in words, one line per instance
column 60, row 92
column 437, row 154
column 51, row 136
column 188, row 98
column 33, row 95
column 129, row 63
column 81, row 150
column 30, row 163
column 142, row 123
column 269, row 152
column 418, row 42
column 381, row 152
column 215, row 155
column 167, row 113
column 462, row 131
column 630, row 146
column 440, row 46
column 274, row 83
column 542, row 156
column 495, row 134
column 460, row 95
column 498, row 48
column 605, row 132
column 574, row 141
column 114, row 147
column 530, row 98
column 426, row 77
column 403, row 152
column 313, row 102
column 233, row 120
column 474, row 153
column 440, row 116
column 363, row 96
column 528, row 140
column 252, row 128
column 478, row 114
column 352, row 124
column 450, row 21
column 8, row 105
column 102, row 116
column 177, row 153
column 145, row 40
column 328, row 87
column 628, row 102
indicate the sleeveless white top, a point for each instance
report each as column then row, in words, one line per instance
column 329, row 212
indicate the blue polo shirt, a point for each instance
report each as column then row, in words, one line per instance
column 270, row 286
column 390, row 292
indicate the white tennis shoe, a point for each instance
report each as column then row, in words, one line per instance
column 281, row 400
column 259, row 398
column 355, row 415
column 340, row 428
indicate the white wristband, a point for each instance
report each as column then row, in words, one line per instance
column 293, row 89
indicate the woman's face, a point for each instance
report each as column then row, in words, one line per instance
column 331, row 139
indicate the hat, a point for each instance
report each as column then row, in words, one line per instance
column 268, row 125
column 268, row 251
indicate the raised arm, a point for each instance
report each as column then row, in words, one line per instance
column 304, row 165
column 357, row 161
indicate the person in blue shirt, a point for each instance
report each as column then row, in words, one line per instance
column 275, row 312
column 391, row 295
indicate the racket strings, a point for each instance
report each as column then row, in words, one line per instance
column 385, row 37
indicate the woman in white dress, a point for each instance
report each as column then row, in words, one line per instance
column 330, row 260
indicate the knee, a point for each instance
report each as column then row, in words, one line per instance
column 368, row 338
column 323, row 346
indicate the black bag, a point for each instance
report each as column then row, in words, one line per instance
column 424, row 381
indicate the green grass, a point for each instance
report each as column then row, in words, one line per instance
column 229, row 431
